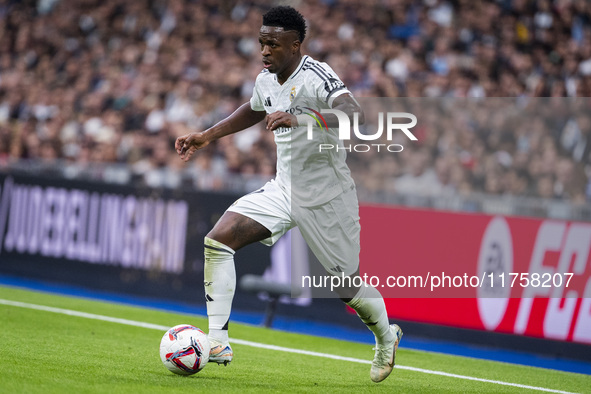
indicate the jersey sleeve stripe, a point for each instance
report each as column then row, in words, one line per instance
column 317, row 73
column 322, row 71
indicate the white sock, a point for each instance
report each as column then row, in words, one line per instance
column 220, row 284
column 370, row 307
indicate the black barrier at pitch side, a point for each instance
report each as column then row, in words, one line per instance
column 128, row 239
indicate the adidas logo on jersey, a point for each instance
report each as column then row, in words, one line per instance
column 267, row 102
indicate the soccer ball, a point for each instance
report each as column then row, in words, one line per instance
column 184, row 349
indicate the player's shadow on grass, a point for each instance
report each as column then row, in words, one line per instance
column 201, row 376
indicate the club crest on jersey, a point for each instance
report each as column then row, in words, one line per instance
column 292, row 94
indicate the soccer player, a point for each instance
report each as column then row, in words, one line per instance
column 312, row 190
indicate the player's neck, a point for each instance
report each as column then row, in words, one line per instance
column 284, row 76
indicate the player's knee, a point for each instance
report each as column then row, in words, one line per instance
column 221, row 235
column 215, row 235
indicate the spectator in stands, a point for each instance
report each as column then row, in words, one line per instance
column 90, row 80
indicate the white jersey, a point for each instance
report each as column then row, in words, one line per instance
column 312, row 177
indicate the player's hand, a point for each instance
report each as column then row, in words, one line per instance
column 281, row 119
column 187, row 144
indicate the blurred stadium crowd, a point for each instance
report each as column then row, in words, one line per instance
column 115, row 81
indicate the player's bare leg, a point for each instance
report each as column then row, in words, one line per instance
column 370, row 307
column 236, row 230
column 231, row 232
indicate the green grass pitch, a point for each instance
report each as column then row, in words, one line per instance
column 48, row 352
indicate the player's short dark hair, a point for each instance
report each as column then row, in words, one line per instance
column 286, row 17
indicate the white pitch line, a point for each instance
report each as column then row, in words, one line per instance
column 135, row 323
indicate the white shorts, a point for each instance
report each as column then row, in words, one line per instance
column 331, row 230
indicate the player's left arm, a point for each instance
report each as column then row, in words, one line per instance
column 345, row 103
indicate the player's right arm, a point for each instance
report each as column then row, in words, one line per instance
column 243, row 118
